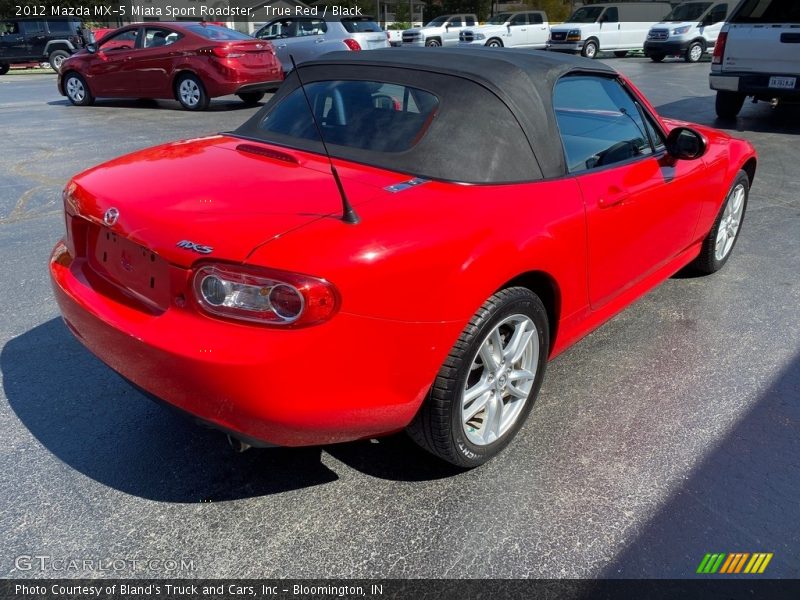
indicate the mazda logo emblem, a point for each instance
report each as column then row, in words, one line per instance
column 111, row 216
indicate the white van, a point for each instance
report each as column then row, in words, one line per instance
column 616, row 28
column 689, row 30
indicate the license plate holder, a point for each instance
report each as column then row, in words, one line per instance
column 782, row 83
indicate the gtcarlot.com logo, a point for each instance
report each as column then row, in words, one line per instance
column 45, row 562
column 733, row 563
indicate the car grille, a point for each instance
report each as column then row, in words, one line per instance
column 466, row 36
column 410, row 37
column 558, row 36
column 658, row 34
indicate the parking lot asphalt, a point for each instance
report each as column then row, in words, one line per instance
column 670, row 432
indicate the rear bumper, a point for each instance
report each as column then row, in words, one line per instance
column 263, row 86
column 350, row 378
column 674, row 48
column 753, row 84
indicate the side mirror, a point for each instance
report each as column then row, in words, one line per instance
column 686, row 144
column 91, row 48
column 447, row 25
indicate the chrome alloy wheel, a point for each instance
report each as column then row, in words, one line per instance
column 695, row 52
column 500, row 380
column 75, row 89
column 729, row 224
column 190, row 92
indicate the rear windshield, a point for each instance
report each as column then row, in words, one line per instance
column 367, row 115
column 215, row 32
column 768, row 11
column 691, row 11
column 361, row 25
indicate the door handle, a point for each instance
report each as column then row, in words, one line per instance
column 281, row 46
column 614, row 197
column 319, row 41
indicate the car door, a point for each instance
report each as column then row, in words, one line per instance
column 152, row 66
column 518, row 31
column 290, row 38
column 111, row 71
column 642, row 205
column 538, row 31
column 453, row 27
column 609, row 28
column 12, row 42
column 35, row 33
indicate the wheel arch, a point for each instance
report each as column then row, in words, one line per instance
column 438, row 38
column 594, row 39
column 495, row 39
column 180, row 72
column 749, row 167
column 545, row 286
column 66, row 74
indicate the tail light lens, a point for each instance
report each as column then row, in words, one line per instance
column 264, row 296
column 352, row 44
column 719, row 48
column 221, row 52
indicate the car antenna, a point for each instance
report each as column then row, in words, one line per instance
column 348, row 214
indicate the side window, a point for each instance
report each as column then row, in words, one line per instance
column 32, row 27
column 9, row 28
column 157, row 37
column 535, row 18
column 471, row 21
column 277, row 30
column 719, row 13
column 611, row 15
column 653, row 132
column 125, row 40
column 520, row 19
column 455, row 22
column 65, row 27
column 311, row 27
column 599, row 122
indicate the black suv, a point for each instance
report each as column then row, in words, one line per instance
column 40, row 39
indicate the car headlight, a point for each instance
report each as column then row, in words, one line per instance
column 681, row 30
column 574, row 35
column 480, row 36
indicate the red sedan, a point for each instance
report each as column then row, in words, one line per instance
column 190, row 62
column 422, row 278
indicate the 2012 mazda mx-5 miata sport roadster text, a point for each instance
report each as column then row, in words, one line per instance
column 480, row 211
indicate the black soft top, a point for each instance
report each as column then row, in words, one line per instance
column 496, row 122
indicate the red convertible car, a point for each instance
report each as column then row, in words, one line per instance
column 423, row 276
column 190, row 62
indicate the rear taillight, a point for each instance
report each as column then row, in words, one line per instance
column 264, row 296
column 221, row 52
column 352, row 44
column 719, row 48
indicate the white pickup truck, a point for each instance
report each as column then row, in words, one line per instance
column 442, row 31
column 757, row 54
column 528, row 29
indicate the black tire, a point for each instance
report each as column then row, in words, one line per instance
column 251, row 98
column 708, row 262
column 77, row 90
column 621, row 53
column 658, row 57
column 729, row 104
column 590, row 49
column 694, row 52
column 56, row 58
column 194, row 97
column 438, row 426
column 433, row 43
column 494, row 43
column 4, row 67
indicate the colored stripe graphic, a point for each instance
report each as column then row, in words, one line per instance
column 734, row 562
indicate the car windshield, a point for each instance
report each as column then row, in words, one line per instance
column 499, row 19
column 367, row 115
column 691, row 11
column 586, row 14
column 436, row 22
column 361, row 25
column 215, row 32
